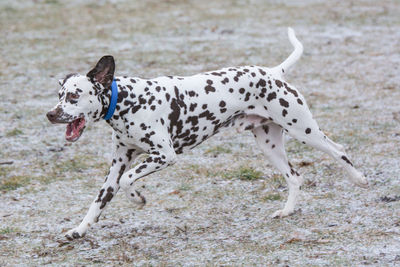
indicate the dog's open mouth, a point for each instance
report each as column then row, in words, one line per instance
column 75, row 129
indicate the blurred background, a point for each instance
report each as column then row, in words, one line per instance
column 212, row 207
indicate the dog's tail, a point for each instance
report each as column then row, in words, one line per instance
column 296, row 54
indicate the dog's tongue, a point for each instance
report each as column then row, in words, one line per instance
column 74, row 129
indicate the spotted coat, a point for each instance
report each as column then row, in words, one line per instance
column 165, row 116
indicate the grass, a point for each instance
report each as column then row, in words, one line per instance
column 14, row 132
column 201, row 170
column 217, row 150
column 78, row 164
column 8, row 230
column 243, row 173
column 277, row 181
column 272, row 197
column 4, row 171
column 184, row 187
column 50, row 172
column 14, row 182
column 232, row 214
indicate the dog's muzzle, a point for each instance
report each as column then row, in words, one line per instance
column 75, row 126
column 54, row 115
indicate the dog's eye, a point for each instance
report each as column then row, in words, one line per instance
column 72, row 96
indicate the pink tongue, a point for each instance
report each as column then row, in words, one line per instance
column 75, row 128
column 72, row 127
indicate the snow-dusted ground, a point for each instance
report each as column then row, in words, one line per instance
column 196, row 213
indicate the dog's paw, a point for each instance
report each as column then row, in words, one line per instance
column 360, row 180
column 363, row 184
column 74, row 234
column 136, row 197
column 281, row 213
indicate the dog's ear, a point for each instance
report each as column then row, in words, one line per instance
column 103, row 72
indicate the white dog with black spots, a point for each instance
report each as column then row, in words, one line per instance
column 164, row 116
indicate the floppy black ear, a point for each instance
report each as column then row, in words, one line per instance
column 103, row 72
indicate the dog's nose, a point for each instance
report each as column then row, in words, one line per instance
column 51, row 115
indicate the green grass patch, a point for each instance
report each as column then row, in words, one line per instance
column 184, row 187
column 77, row 164
column 8, row 230
column 215, row 151
column 4, row 171
column 277, row 181
column 272, row 197
column 200, row 170
column 13, row 182
column 14, row 132
column 54, row 2
column 46, row 179
column 243, row 173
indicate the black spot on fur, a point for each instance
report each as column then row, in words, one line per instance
column 209, row 88
column 192, row 106
column 248, row 94
column 347, row 160
column 100, row 195
column 283, row 103
column 261, row 83
column 107, row 197
column 271, row 96
column 290, row 90
column 266, row 129
column 249, row 127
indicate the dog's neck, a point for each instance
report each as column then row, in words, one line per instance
column 105, row 99
column 126, row 94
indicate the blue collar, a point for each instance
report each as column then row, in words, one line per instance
column 113, row 101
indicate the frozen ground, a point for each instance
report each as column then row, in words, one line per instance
column 199, row 212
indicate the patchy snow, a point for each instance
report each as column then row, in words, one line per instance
column 195, row 214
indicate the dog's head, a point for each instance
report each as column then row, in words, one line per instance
column 83, row 98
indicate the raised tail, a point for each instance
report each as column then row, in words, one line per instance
column 294, row 56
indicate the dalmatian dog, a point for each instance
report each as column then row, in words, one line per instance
column 165, row 116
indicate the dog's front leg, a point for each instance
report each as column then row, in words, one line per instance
column 123, row 157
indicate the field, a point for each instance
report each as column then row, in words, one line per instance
column 213, row 207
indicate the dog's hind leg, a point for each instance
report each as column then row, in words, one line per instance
column 310, row 134
column 123, row 157
column 290, row 111
column 270, row 139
